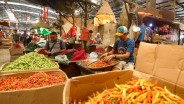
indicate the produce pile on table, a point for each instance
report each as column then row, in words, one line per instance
column 134, row 92
column 30, row 61
column 42, row 51
column 16, row 46
column 37, row 80
column 101, row 63
column 32, row 46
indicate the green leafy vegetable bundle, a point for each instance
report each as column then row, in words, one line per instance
column 32, row 46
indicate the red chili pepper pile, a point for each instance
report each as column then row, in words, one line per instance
column 100, row 64
column 16, row 46
column 42, row 51
column 40, row 79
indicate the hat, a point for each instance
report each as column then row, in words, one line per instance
column 121, row 30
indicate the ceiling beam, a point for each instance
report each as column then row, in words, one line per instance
column 179, row 4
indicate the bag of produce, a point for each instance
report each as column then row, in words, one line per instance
column 79, row 55
column 69, row 53
column 62, row 59
column 93, row 55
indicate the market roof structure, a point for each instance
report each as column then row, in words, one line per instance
column 166, row 4
column 28, row 11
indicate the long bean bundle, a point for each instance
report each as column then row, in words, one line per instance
column 30, row 61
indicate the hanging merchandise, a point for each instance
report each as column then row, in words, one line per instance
column 43, row 31
column 136, row 32
column 84, row 34
column 72, row 31
column 45, row 14
column 105, row 15
column 96, row 22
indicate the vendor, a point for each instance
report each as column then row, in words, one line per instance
column 124, row 47
column 16, row 36
column 54, row 46
column 98, row 39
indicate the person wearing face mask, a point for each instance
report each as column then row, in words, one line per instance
column 123, row 49
column 54, row 46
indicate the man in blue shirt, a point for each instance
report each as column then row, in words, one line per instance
column 124, row 47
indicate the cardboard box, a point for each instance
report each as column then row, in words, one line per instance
column 164, row 63
column 43, row 95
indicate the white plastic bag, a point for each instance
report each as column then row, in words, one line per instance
column 62, row 59
column 93, row 55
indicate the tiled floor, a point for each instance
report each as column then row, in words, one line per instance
column 4, row 56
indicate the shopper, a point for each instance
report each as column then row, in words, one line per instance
column 16, row 36
column 24, row 38
column 98, row 39
column 54, row 46
column 124, row 47
column 142, row 34
column 86, row 37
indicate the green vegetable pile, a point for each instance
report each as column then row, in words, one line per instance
column 30, row 61
column 32, row 46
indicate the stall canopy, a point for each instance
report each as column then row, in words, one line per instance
column 4, row 23
column 104, row 15
column 159, row 22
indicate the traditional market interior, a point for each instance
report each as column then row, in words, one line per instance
column 91, row 51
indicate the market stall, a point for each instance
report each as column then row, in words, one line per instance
column 91, row 52
column 164, row 31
